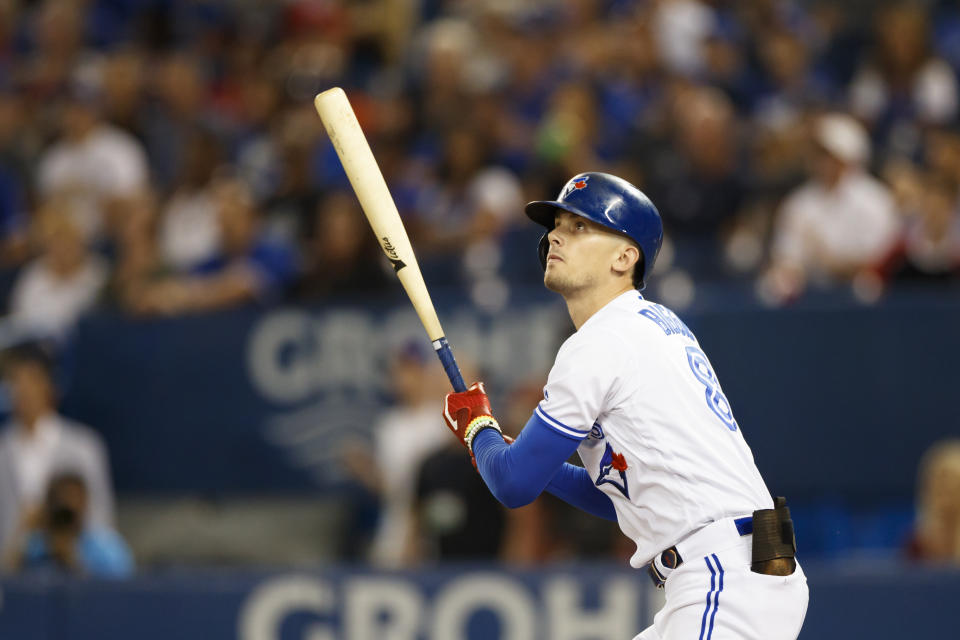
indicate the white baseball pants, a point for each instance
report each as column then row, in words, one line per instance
column 713, row 595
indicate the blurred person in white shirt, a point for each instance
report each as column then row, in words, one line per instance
column 840, row 225
column 94, row 164
column 52, row 291
column 38, row 443
column 189, row 230
column 403, row 437
column 682, row 28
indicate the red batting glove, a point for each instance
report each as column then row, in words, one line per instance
column 467, row 413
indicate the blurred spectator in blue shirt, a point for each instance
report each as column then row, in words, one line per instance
column 789, row 85
column 250, row 266
column 13, row 221
column 178, row 110
column 63, row 541
column 464, row 210
column 14, row 169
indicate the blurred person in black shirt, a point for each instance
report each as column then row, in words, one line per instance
column 699, row 180
column 341, row 255
column 457, row 518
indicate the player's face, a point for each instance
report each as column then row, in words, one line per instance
column 581, row 253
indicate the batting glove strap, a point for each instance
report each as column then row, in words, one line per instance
column 476, row 426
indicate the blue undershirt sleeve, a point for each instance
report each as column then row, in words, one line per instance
column 518, row 473
column 574, row 486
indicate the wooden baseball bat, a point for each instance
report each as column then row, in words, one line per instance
column 371, row 189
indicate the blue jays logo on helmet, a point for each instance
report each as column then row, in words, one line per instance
column 573, row 185
column 610, row 201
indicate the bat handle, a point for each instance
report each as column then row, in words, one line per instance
column 449, row 364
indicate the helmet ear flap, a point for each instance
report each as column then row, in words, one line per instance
column 542, row 251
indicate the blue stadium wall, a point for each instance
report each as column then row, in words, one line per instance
column 575, row 603
column 835, row 398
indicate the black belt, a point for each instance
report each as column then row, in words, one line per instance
column 670, row 558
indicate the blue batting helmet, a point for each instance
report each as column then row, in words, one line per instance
column 610, row 201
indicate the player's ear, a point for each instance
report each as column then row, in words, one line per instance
column 626, row 258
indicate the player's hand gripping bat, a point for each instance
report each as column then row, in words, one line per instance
column 381, row 211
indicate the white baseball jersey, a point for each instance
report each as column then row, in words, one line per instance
column 658, row 435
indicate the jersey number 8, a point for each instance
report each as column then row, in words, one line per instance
column 715, row 399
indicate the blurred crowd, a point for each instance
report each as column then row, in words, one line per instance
column 164, row 156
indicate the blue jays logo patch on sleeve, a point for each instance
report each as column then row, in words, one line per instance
column 610, row 463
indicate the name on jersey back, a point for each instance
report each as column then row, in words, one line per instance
column 666, row 320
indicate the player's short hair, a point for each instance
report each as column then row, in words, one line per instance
column 638, row 268
column 638, row 273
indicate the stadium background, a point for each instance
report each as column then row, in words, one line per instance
column 240, row 425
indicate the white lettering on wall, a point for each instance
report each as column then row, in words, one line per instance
column 508, row 600
column 294, row 356
column 326, row 371
column 265, row 609
column 382, row 608
column 388, row 607
column 616, row 616
column 280, row 357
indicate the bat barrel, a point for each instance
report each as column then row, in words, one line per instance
column 371, row 189
column 449, row 364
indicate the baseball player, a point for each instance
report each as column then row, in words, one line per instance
column 634, row 394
